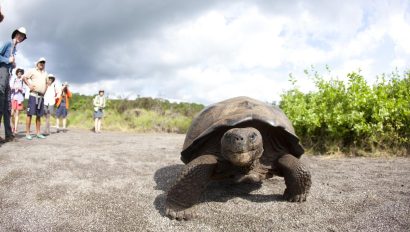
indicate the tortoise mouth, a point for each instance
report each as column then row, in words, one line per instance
column 241, row 158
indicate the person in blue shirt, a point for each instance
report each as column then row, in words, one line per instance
column 7, row 63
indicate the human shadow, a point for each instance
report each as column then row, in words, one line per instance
column 217, row 191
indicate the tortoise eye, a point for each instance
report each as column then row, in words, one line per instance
column 253, row 136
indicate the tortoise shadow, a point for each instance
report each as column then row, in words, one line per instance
column 216, row 191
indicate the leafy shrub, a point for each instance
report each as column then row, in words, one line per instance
column 351, row 116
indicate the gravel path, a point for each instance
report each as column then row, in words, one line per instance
column 81, row 181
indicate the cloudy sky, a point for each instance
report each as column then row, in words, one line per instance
column 206, row 51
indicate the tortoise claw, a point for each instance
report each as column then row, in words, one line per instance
column 179, row 213
column 294, row 197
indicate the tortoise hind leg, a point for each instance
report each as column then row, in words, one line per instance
column 189, row 186
column 297, row 178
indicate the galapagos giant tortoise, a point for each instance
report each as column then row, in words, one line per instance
column 242, row 139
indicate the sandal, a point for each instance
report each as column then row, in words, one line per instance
column 40, row 136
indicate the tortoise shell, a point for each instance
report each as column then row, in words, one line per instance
column 232, row 112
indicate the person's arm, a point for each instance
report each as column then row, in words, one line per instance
column 5, row 53
column 46, row 86
column 95, row 101
column 104, row 102
column 11, row 84
column 26, row 77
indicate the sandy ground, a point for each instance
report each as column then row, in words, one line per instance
column 81, row 181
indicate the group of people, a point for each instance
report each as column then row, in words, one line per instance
column 43, row 95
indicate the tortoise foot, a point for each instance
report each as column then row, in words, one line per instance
column 179, row 213
column 294, row 197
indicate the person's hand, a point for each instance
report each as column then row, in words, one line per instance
column 15, row 41
column 32, row 87
column 11, row 59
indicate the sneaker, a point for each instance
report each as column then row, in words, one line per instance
column 29, row 137
column 40, row 136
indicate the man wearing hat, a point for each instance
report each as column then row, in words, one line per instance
column 7, row 63
column 36, row 80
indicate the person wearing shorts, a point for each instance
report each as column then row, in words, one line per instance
column 36, row 80
column 49, row 101
column 99, row 103
column 62, row 107
column 17, row 98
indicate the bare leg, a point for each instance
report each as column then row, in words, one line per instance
column 38, row 124
column 58, row 124
column 99, row 125
column 12, row 120
column 64, row 123
column 96, row 125
column 16, row 120
column 47, row 130
column 189, row 187
column 297, row 178
column 28, row 124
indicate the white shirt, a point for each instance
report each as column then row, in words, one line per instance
column 50, row 95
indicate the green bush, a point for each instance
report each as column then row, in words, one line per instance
column 351, row 116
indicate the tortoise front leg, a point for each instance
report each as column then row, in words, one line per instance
column 297, row 178
column 189, row 186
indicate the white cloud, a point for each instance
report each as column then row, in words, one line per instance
column 205, row 52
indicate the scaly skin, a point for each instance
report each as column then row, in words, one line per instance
column 241, row 151
column 297, row 178
column 189, row 187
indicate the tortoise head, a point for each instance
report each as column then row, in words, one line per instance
column 242, row 146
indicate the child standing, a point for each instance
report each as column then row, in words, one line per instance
column 49, row 101
column 17, row 98
column 62, row 106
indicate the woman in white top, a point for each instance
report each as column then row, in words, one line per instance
column 17, row 98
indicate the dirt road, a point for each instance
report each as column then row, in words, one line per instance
column 81, row 181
